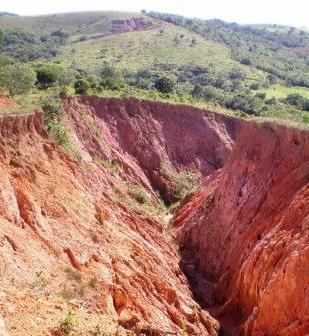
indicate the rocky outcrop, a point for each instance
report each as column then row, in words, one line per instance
column 248, row 233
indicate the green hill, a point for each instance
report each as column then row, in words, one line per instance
column 249, row 70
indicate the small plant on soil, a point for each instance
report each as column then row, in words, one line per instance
column 66, row 325
column 73, row 274
column 96, row 331
column 184, row 330
column 39, row 280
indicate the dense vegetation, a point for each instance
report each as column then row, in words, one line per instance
column 260, row 70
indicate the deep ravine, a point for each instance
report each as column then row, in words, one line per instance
column 87, row 235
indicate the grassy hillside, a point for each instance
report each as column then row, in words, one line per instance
column 245, row 70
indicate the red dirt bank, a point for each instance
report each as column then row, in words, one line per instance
column 248, row 232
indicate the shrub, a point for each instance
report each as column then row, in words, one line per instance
column 67, row 323
column 272, row 79
column 254, row 86
column 5, row 60
column 246, row 61
column 246, row 103
column 271, row 101
column 295, row 99
column 52, row 110
column 306, row 118
column 47, row 76
column 306, row 105
column 197, row 91
column 209, row 93
column 112, row 78
column 113, row 166
column 39, row 280
column 96, row 331
column 73, row 274
column 17, row 78
column 236, row 74
column 218, row 83
column 67, row 91
column 181, row 183
column 60, row 133
column 139, row 194
column 261, row 95
column 81, row 86
column 165, row 84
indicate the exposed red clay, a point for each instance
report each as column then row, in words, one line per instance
column 70, row 238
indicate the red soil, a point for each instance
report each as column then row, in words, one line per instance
column 248, row 232
column 5, row 101
column 71, row 237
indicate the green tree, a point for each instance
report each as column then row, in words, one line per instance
column 165, row 84
column 17, row 78
column 47, row 76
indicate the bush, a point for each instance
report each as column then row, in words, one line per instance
column 67, row 323
column 271, row 101
column 197, row 91
column 254, row 86
column 73, row 274
column 272, row 79
column 112, row 78
column 246, row 61
column 81, row 86
column 295, row 99
column 47, row 76
column 306, row 105
column 52, row 110
column 165, row 84
column 181, row 183
column 236, row 74
column 5, row 60
column 139, row 194
column 261, row 95
column 250, row 105
column 17, row 78
column 210, row 93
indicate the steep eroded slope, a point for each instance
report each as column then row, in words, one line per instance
column 247, row 233
column 68, row 242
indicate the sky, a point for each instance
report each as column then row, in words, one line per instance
column 287, row 12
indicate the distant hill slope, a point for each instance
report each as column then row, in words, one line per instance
column 7, row 14
column 237, row 67
column 71, row 23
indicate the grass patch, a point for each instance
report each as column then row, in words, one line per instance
column 112, row 166
column 140, row 200
column 280, row 91
column 72, row 274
